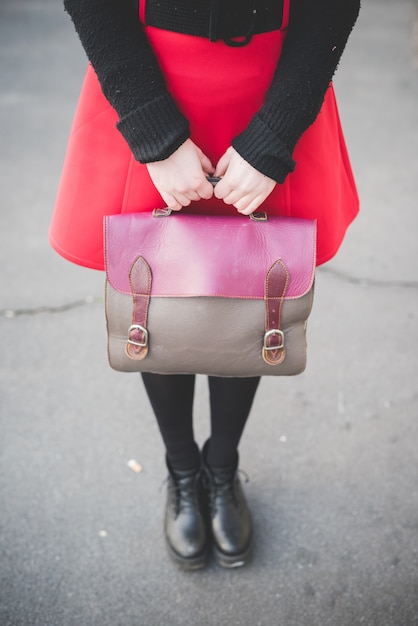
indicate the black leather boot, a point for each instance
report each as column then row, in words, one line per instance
column 185, row 521
column 230, row 517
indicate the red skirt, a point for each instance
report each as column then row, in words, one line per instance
column 218, row 88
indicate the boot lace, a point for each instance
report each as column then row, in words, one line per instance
column 225, row 488
column 185, row 492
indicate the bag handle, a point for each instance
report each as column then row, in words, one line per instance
column 257, row 216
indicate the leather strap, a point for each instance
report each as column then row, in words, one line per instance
column 140, row 279
column 277, row 280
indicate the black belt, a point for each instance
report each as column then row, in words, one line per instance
column 234, row 21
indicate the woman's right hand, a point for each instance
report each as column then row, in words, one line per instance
column 181, row 178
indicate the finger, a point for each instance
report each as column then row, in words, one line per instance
column 171, row 202
column 183, row 200
column 184, row 196
column 222, row 165
column 175, row 206
column 191, row 196
column 255, row 200
column 250, row 205
column 205, row 190
column 223, row 189
column 236, row 196
column 206, row 164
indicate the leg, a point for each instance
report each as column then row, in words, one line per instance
column 171, row 398
column 185, row 523
column 231, row 401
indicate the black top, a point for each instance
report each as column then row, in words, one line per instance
column 149, row 120
column 216, row 19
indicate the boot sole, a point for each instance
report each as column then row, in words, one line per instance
column 232, row 560
column 188, row 563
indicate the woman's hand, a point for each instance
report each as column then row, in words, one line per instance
column 181, row 178
column 242, row 185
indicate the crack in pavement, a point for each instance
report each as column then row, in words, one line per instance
column 12, row 313
column 361, row 282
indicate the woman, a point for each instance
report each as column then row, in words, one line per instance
column 179, row 90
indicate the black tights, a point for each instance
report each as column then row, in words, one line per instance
column 171, row 398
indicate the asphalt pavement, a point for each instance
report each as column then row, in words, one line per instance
column 331, row 455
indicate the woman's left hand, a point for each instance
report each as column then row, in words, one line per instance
column 242, row 185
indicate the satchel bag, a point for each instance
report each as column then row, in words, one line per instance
column 208, row 294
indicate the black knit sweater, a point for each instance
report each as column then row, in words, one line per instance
column 149, row 120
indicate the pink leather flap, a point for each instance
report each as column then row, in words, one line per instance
column 204, row 255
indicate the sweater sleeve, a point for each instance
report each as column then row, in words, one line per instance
column 149, row 119
column 317, row 34
column 130, row 77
